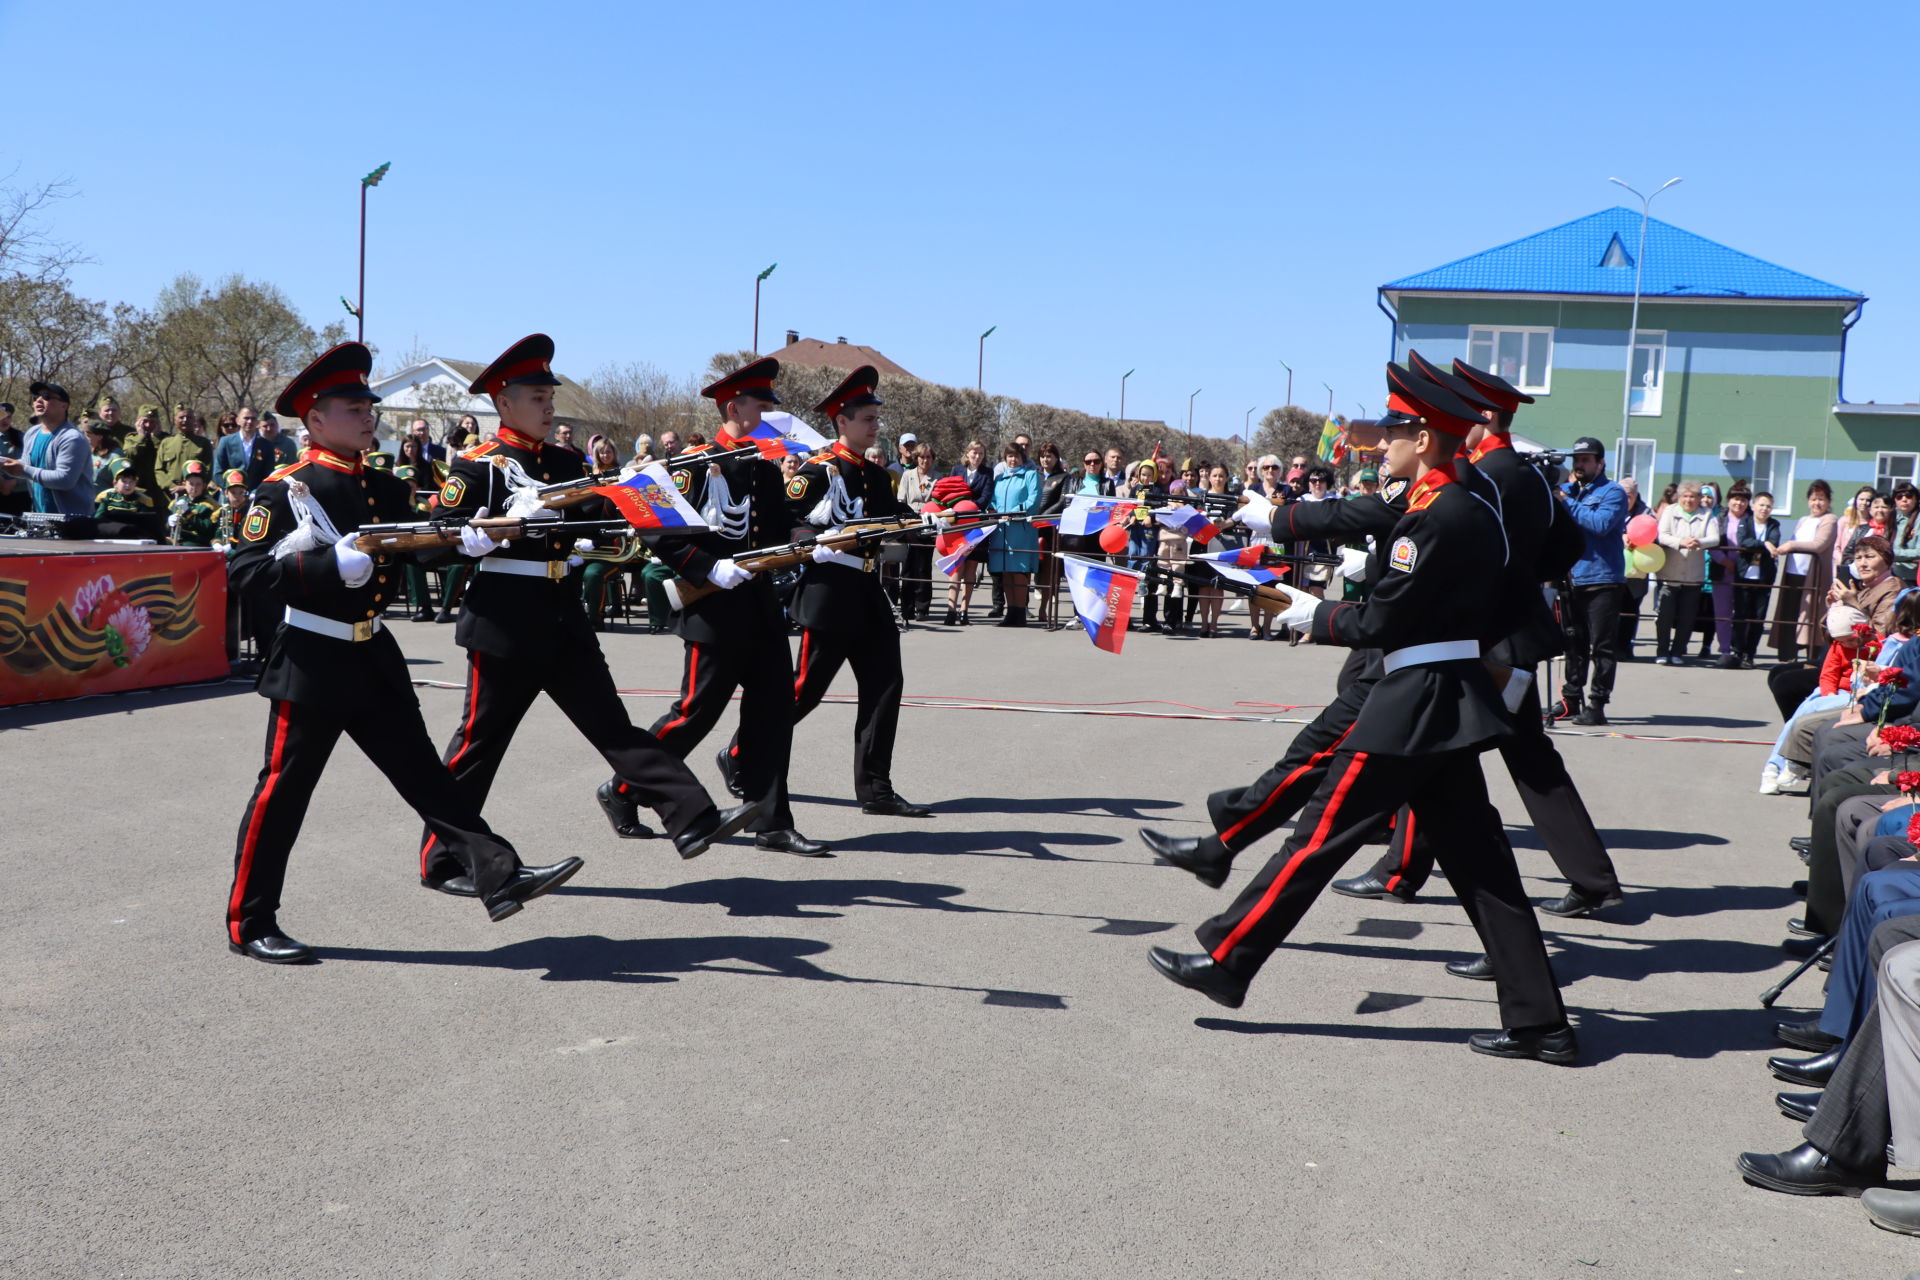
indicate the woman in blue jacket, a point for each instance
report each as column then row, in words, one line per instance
column 1013, row 548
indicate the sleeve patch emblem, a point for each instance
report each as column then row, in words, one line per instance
column 255, row 528
column 1395, row 488
column 1403, row 555
column 452, row 491
column 682, row 479
column 797, row 487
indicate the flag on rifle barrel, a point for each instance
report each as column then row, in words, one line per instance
column 780, row 434
column 1102, row 599
column 1243, row 565
column 1189, row 521
column 1086, row 515
column 649, row 500
column 952, row 548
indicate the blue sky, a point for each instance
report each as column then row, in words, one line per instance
column 1196, row 191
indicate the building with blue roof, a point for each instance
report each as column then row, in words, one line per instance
column 1737, row 362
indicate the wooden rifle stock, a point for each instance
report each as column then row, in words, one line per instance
column 415, row 537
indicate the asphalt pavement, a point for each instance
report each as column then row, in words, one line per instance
column 938, row 1053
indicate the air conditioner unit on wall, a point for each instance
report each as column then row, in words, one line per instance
column 1733, row 453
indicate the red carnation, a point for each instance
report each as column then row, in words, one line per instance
column 1864, row 630
column 1892, row 677
column 1900, row 737
column 1908, row 780
column 1913, row 828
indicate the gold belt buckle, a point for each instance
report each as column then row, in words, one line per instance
column 556, row 570
column 363, row 630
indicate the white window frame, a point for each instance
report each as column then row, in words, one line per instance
column 1622, row 455
column 1651, row 396
column 1532, row 332
column 1783, row 494
column 1880, row 461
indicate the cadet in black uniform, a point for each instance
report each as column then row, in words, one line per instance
column 334, row 668
column 1416, row 742
column 843, row 611
column 736, row 638
column 525, row 634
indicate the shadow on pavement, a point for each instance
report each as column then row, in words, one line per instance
column 1025, row 843
column 1642, row 905
column 1698, row 722
column 1131, row 808
column 30, row 715
column 592, row 958
column 815, row 899
column 1525, row 837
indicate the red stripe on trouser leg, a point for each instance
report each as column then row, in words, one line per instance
column 806, row 649
column 1320, row 831
column 466, row 739
column 276, row 758
column 686, row 696
column 1227, row 836
column 1406, row 853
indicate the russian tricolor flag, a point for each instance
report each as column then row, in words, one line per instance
column 780, row 434
column 1102, row 599
column 1243, row 565
column 648, row 500
column 1087, row 514
column 951, row 549
column 1188, row 520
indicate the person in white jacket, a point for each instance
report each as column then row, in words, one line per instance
column 1687, row 531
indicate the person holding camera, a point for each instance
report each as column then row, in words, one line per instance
column 1592, row 609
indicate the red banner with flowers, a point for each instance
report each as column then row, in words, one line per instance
column 73, row 623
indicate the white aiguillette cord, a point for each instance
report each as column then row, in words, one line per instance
column 312, row 529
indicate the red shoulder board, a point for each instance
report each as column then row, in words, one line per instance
column 287, row 470
column 481, row 450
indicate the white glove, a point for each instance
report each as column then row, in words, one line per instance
column 1353, row 564
column 827, row 555
column 1255, row 514
column 1298, row 614
column 475, row 542
column 727, row 575
column 356, row 566
column 583, row 544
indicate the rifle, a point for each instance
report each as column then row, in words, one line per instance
column 1265, row 598
column 682, row 592
column 571, row 493
column 443, row 531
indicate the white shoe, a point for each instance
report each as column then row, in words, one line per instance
column 1787, row 780
column 1770, row 780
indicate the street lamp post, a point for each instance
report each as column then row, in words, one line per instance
column 1329, row 400
column 360, row 311
column 980, row 375
column 1123, row 396
column 1289, row 369
column 1246, row 435
column 757, row 282
column 1190, row 400
column 1633, row 322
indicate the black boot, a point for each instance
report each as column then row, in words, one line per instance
column 1016, row 617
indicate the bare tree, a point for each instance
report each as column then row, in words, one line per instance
column 1289, row 432
column 27, row 249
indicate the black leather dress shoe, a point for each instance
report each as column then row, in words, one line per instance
column 458, row 886
column 1370, row 885
column 1797, row 1106
column 1200, row 973
column 1801, row 948
column 1800, row 844
column 1480, row 969
column 1184, row 852
column 528, row 884
column 1803, row 1171
column 1580, row 902
column 1554, row 1044
column 729, row 774
column 1804, row 1035
column 1800, row 927
column 894, row 805
column 1814, row 1073
column 622, row 813
column 274, row 948
column 702, row 836
column 790, row 841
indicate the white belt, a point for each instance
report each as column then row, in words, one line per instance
column 1420, row 655
column 554, row 569
column 354, row 631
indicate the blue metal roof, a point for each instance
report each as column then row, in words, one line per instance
column 1568, row 258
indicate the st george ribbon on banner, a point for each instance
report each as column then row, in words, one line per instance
column 1102, row 599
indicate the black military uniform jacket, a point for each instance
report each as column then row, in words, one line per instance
column 835, row 489
column 1369, row 515
column 302, row 666
column 510, row 615
column 746, row 509
column 1441, row 583
column 1543, row 544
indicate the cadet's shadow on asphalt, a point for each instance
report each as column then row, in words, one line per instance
column 1698, row 722
column 1130, row 808
column 828, row 899
column 1574, row 956
column 987, row 844
column 592, row 958
column 1625, row 838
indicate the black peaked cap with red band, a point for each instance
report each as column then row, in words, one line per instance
column 527, row 363
column 857, row 392
column 1493, row 387
column 754, row 380
column 1414, row 401
column 340, row 372
column 1432, row 372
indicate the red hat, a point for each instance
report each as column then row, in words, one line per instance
column 340, row 372
column 527, row 363
column 1467, row 391
column 754, row 380
column 1413, row 401
column 855, row 393
column 1505, row 396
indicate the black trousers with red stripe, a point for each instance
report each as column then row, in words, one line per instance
column 500, row 692
column 762, row 669
column 875, row 658
column 1359, row 790
column 300, row 738
column 1553, row 803
column 1244, row 815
